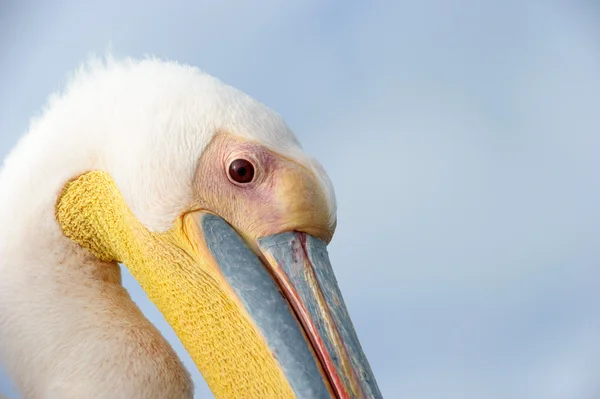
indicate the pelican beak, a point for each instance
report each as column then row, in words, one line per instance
column 261, row 316
column 291, row 296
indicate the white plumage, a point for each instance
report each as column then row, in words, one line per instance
column 145, row 123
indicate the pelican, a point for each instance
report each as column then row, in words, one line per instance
column 209, row 200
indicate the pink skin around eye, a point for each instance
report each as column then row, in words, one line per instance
column 265, row 165
column 218, row 192
column 282, row 196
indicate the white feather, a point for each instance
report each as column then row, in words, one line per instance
column 146, row 123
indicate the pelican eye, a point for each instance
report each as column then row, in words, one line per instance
column 241, row 171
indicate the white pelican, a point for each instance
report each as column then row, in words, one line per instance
column 207, row 197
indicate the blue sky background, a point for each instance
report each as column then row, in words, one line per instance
column 462, row 138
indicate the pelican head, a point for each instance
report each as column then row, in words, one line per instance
column 208, row 199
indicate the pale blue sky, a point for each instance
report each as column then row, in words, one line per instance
column 462, row 138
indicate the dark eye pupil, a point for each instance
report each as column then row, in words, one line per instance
column 241, row 171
